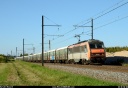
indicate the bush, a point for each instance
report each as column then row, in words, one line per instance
column 2, row 59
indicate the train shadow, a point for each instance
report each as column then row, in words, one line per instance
column 116, row 60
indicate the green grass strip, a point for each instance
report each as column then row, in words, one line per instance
column 4, row 71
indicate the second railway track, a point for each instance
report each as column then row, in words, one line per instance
column 105, row 72
column 114, row 68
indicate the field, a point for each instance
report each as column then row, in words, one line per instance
column 19, row 73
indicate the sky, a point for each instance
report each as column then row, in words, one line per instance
column 22, row 19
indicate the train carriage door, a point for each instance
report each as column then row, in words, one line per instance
column 58, row 54
column 86, row 52
column 76, row 54
column 65, row 53
column 70, row 53
column 48, row 55
column 53, row 57
column 80, row 52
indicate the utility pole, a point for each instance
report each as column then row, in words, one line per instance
column 23, row 49
column 11, row 52
column 92, row 28
column 16, row 51
column 33, row 50
column 43, row 38
column 49, row 45
column 88, row 26
column 49, row 40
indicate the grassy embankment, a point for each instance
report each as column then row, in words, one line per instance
column 19, row 73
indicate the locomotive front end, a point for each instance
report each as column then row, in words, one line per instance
column 97, row 51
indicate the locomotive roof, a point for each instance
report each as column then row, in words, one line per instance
column 94, row 40
column 90, row 40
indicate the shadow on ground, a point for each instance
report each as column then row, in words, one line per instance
column 116, row 60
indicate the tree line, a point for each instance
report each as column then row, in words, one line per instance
column 6, row 58
column 116, row 49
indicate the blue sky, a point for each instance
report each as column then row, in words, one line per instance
column 23, row 19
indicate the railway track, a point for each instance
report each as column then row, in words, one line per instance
column 113, row 68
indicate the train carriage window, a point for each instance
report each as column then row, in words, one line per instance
column 85, row 49
column 82, row 48
column 76, row 49
column 69, row 51
column 65, row 50
column 61, row 51
column 65, row 53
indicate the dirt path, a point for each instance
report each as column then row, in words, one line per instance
column 13, row 77
column 26, row 75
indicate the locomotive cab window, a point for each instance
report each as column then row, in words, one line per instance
column 92, row 45
column 100, row 45
column 96, row 45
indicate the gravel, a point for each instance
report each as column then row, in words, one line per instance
column 121, row 77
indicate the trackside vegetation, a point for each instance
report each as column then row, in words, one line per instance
column 2, row 58
column 20, row 73
column 5, row 59
column 116, row 49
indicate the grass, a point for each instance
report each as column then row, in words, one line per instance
column 30, row 74
column 125, row 64
column 3, row 73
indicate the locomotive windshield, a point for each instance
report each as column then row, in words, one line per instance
column 96, row 45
